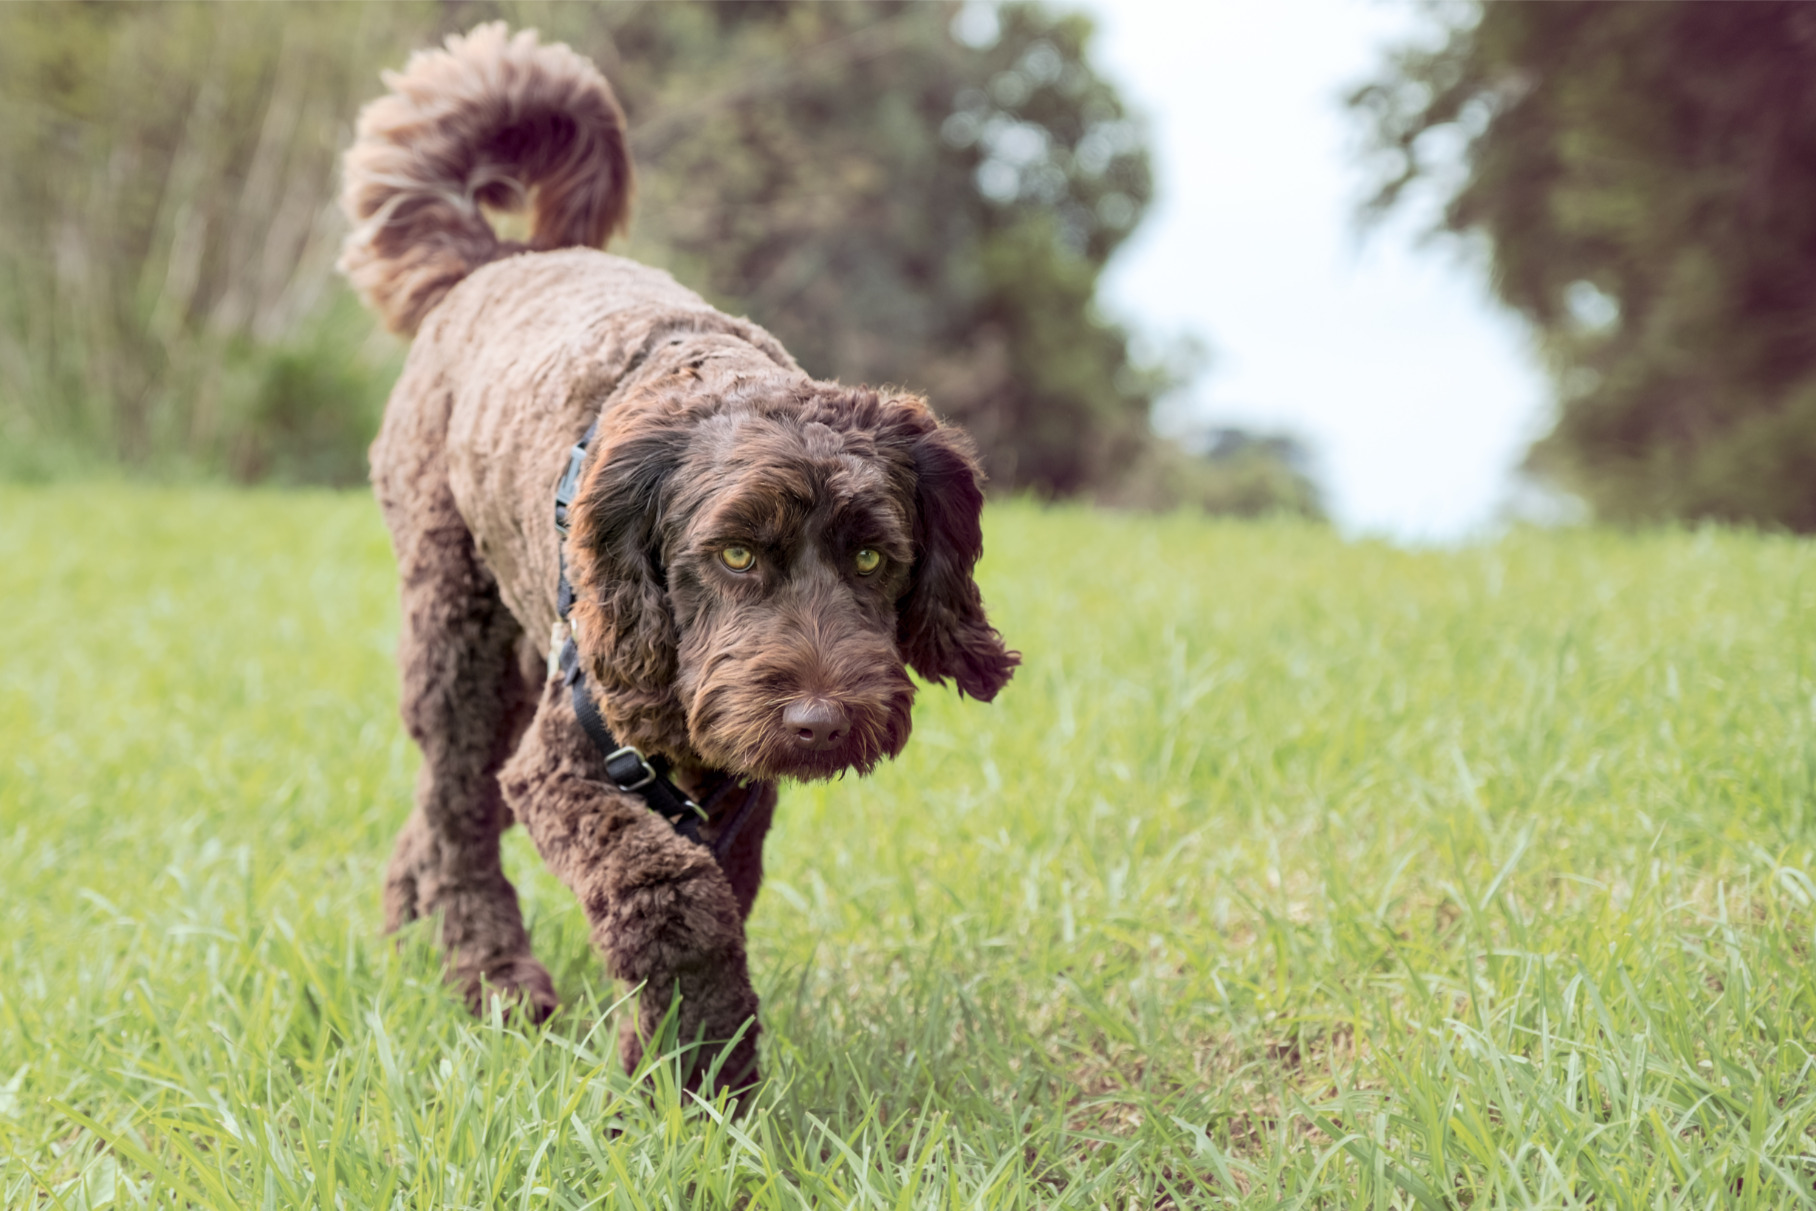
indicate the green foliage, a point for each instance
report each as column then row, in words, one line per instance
column 167, row 231
column 897, row 205
column 1287, row 872
column 1644, row 175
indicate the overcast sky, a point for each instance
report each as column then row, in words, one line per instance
column 1416, row 392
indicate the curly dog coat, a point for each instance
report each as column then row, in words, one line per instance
column 757, row 557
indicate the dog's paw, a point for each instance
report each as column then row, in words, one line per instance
column 736, row 1070
column 708, row 1065
column 521, row 983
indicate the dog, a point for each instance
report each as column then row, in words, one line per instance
column 755, row 558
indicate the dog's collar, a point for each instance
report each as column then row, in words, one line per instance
column 629, row 770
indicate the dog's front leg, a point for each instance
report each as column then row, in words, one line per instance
column 662, row 912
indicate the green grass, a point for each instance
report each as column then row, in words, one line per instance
column 1287, row 872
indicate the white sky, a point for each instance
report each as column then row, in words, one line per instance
column 1416, row 392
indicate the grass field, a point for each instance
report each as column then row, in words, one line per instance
column 1287, row 872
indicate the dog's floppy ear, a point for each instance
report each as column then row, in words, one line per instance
column 626, row 631
column 941, row 627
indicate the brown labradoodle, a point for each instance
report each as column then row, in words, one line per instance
column 756, row 557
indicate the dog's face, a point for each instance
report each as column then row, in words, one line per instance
column 755, row 577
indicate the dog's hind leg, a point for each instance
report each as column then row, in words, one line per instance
column 466, row 701
column 662, row 912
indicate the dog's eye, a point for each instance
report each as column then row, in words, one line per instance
column 868, row 561
column 738, row 559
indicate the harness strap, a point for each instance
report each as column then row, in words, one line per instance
column 629, row 770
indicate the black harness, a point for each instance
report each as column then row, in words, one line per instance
column 629, row 770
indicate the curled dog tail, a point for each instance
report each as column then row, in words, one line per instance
column 495, row 120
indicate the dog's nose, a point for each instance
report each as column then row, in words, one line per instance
column 818, row 723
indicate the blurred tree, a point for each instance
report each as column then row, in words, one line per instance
column 1645, row 178
column 900, row 206
column 907, row 193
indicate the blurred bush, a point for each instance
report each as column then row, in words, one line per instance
column 917, row 194
column 167, row 236
column 1226, row 471
column 1645, row 178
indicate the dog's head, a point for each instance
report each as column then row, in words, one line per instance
column 755, row 575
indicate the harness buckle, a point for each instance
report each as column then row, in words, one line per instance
column 559, row 638
column 631, row 761
column 569, row 486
